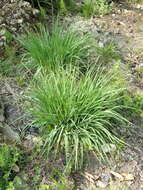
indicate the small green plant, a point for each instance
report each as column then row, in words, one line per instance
column 9, row 36
column 134, row 101
column 9, row 62
column 8, row 157
column 76, row 114
column 107, row 53
column 95, row 7
column 66, row 5
column 61, row 5
column 19, row 183
column 55, row 49
column 120, row 80
column 7, row 68
column 61, row 182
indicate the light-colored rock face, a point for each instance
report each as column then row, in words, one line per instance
column 14, row 15
column 96, row 30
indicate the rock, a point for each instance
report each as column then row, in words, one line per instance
column 85, row 27
column 1, row 112
column 101, row 184
column 13, row 112
column 126, row 11
column 35, row 11
column 91, row 178
column 128, row 177
column 101, row 44
column 13, row 14
column 141, row 178
column 32, row 141
column 20, row 21
column 81, row 187
column 97, row 32
column 11, row 135
column 123, row 176
column 108, row 148
column 105, row 177
column 15, row 168
column 138, row 6
column 117, row 175
column 4, row 128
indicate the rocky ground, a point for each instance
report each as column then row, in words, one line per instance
column 15, row 17
column 125, row 26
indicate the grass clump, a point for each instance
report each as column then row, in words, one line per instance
column 94, row 7
column 55, row 49
column 76, row 114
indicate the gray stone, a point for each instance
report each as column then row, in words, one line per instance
column 9, row 133
column 108, row 148
column 13, row 14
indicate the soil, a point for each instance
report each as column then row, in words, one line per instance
column 125, row 24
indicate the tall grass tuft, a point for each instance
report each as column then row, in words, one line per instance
column 60, row 5
column 94, row 7
column 76, row 114
column 55, row 49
